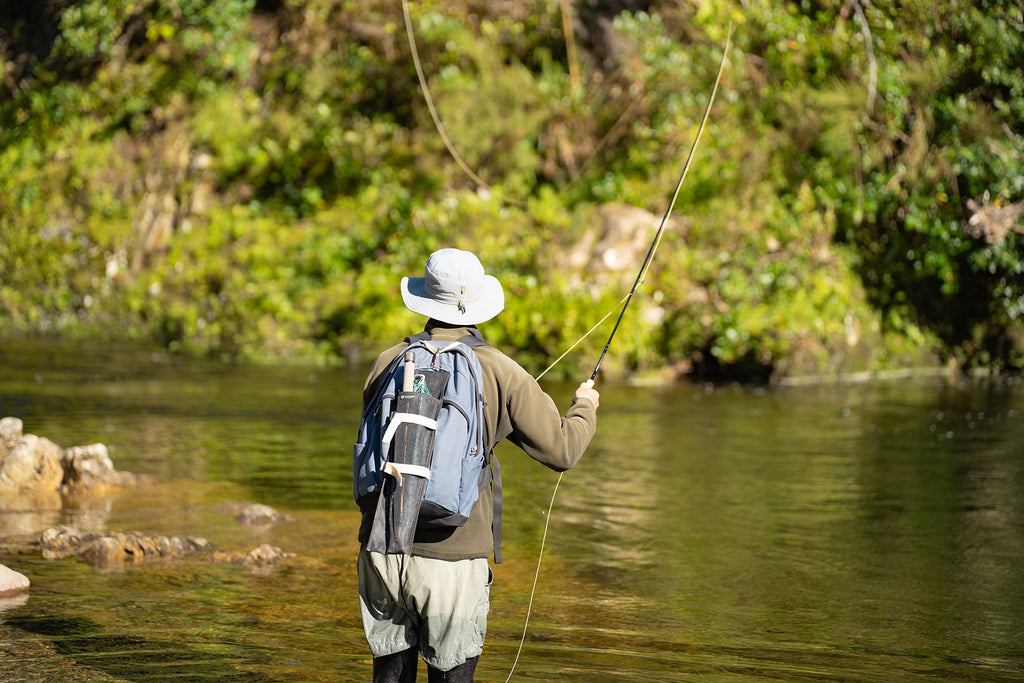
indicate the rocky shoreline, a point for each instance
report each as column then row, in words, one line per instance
column 39, row 480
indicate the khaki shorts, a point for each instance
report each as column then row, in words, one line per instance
column 439, row 606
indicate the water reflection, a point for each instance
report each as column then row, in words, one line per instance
column 835, row 516
column 865, row 532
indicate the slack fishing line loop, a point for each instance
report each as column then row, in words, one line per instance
column 536, row 577
column 441, row 130
column 624, row 302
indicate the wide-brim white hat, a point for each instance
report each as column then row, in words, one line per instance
column 454, row 289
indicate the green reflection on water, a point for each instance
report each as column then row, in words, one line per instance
column 869, row 532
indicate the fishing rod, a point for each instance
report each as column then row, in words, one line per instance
column 668, row 212
column 625, row 303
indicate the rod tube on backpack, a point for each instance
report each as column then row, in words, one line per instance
column 409, row 371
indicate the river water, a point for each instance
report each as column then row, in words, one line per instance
column 861, row 532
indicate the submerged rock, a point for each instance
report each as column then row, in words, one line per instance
column 252, row 513
column 107, row 550
column 261, row 561
column 112, row 551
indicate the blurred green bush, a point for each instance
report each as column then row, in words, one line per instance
column 251, row 179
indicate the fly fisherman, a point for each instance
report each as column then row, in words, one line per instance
column 435, row 600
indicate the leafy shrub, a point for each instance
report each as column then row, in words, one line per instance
column 820, row 230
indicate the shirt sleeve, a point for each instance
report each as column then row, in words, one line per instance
column 537, row 426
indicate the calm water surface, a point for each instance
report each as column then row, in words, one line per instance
column 834, row 533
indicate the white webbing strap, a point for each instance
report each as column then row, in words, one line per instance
column 450, row 347
column 436, row 351
column 397, row 470
column 399, row 419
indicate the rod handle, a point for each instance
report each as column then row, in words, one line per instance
column 409, row 371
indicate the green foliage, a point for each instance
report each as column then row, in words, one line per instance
column 937, row 149
column 241, row 184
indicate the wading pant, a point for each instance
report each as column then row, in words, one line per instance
column 437, row 606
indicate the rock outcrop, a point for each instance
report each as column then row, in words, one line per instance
column 37, row 474
column 993, row 222
column 617, row 243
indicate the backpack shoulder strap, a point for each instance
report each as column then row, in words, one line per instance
column 413, row 338
column 382, row 378
column 475, row 340
column 472, row 340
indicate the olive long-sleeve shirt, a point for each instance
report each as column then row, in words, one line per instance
column 517, row 408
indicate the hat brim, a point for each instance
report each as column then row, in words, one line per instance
column 489, row 304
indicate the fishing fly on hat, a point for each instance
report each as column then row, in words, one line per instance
column 454, row 289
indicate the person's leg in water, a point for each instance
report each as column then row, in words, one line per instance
column 463, row 673
column 397, row 668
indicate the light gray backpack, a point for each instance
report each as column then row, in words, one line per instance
column 422, row 447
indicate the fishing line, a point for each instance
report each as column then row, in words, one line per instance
column 536, row 576
column 575, row 86
column 436, row 117
column 625, row 304
column 585, row 335
column 551, row 504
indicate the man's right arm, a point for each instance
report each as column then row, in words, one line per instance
column 538, row 426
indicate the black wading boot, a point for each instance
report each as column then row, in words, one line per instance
column 463, row 673
column 397, row 668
